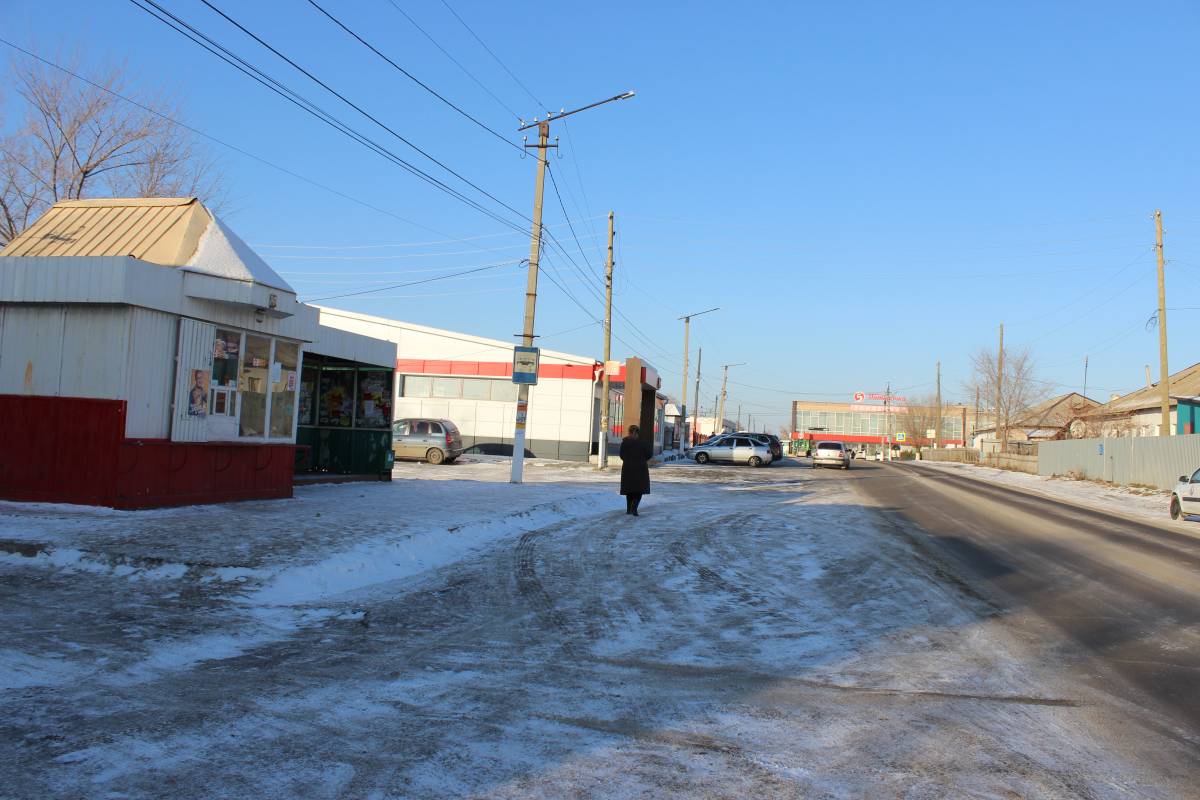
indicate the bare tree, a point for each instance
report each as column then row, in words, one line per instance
column 1019, row 389
column 919, row 416
column 76, row 140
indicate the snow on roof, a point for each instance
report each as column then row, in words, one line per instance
column 1184, row 382
column 171, row 231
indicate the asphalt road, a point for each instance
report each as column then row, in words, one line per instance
column 1122, row 596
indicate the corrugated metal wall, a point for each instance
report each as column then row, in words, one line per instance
column 64, row 351
column 150, row 377
column 1148, row 460
column 195, row 352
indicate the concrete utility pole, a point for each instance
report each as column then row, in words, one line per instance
column 602, row 454
column 724, row 382
column 1164, row 379
column 687, row 324
column 738, row 425
column 999, row 391
column 1085, row 365
column 527, row 335
column 975, row 421
column 720, row 418
column 937, row 420
column 887, row 423
column 696, row 414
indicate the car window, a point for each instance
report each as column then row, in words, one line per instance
column 1196, row 476
column 829, row 446
column 435, row 429
column 742, row 442
column 420, row 428
column 402, row 427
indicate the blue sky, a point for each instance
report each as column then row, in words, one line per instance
column 863, row 190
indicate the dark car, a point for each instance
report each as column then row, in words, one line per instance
column 770, row 440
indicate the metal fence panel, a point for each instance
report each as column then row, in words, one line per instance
column 1149, row 460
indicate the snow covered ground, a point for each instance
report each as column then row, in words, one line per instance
column 755, row 633
column 1126, row 501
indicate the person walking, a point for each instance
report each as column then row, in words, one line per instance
column 635, row 470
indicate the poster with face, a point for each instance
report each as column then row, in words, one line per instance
column 198, row 394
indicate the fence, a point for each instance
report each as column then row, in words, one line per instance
column 1146, row 460
column 959, row 455
column 1019, row 462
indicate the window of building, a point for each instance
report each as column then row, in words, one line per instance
column 477, row 389
column 335, row 403
column 447, row 387
column 283, row 388
column 417, row 386
column 253, row 419
column 374, row 398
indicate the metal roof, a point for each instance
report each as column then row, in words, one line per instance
column 161, row 230
column 1184, row 382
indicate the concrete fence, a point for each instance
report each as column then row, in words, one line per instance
column 1018, row 462
column 1145, row 460
column 958, row 455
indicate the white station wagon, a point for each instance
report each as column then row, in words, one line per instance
column 1185, row 497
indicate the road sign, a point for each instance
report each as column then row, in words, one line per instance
column 930, row 433
column 900, row 437
column 525, row 364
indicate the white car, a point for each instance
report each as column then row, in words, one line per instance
column 831, row 454
column 1185, row 497
column 735, row 449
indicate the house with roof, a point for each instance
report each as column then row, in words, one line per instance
column 1139, row 413
column 149, row 357
column 1048, row 420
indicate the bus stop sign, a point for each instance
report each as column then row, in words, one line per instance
column 525, row 365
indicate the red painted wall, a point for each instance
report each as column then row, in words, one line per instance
column 73, row 450
column 496, row 369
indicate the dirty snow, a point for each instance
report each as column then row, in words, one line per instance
column 755, row 633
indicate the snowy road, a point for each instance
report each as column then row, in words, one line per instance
column 755, row 633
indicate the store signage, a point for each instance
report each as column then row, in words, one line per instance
column 859, row 397
column 525, row 365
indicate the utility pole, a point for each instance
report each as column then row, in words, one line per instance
column 527, row 335
column 696, row 414
column 887, row 422
column 738, row 424
column 937, row 422
column 1164, row 379
column 720, row 417
column 975, row 421
column 602, row 455
column 1085, row 366
column 724, row 382
column 999, row 391
column 687, row 324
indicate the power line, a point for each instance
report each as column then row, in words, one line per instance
column 462, row 239
column 411, row 77
column 304, row 104
column 495, row 57
column 416, row 283
column 446, row 53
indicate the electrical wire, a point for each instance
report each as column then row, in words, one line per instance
column 446, row 53
column 495, row 57
column 413, row 283
column 401, row 244
column 412, row 77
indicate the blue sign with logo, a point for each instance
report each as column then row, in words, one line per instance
column 525, row 365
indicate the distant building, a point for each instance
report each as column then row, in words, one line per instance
column 1047, row 421
column 1139, row 413
column 868, row 425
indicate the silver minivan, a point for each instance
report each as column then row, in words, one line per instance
column 434, row 440
column 735, row 449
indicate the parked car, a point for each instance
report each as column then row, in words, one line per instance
column 434, row 440
column 831, row 454
column 734, row 449
column 1185, row 497
column 770, row 440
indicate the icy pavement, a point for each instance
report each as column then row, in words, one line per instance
column 755, row 633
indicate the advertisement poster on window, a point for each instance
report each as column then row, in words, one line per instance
column 375, row 399
column 336, row 406
column 198, row 394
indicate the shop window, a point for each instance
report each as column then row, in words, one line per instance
column 477, row 388
column 504, row 390
column 374, row 398
column 447, row 387
column 417, row 386
column 308, row 395
column 335, row 406
column 283, row 388
column 254, row 386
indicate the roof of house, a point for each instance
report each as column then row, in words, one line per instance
column 1184, row 382
column 1057, row 411
column 171, row 231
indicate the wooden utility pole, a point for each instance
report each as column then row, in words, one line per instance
column 937, row 421
column 696, row 414
column 724, row 384
column 602, row 455
column 1164, row 380
column 975, row 421
column 535, row 242
column 1000, row 391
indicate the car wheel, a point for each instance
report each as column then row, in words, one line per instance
column 755, row 461
column 435, row 456
column 1176, row 511
column 701, row 458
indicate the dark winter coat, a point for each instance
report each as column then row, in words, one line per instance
column 635, row 471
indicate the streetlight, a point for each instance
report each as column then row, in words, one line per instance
column 687, row 323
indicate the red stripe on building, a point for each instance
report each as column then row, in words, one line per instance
column 493, row 369
column 821, row 436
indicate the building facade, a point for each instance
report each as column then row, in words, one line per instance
column 868, row 426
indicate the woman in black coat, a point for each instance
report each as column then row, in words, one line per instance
column 635, row 470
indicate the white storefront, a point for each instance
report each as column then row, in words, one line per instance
column 467, row 379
